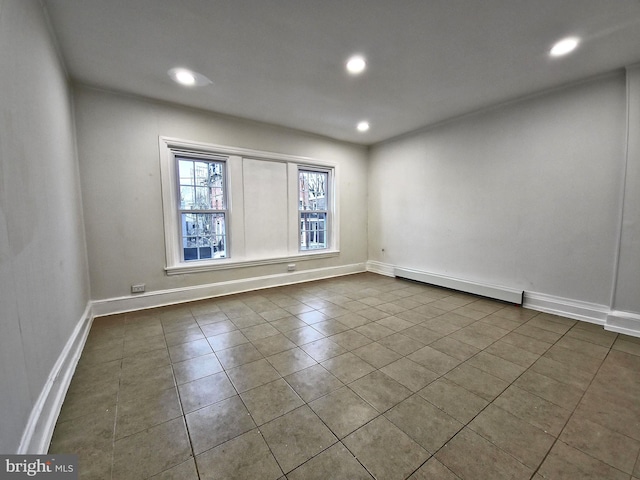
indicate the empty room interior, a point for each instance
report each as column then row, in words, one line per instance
column 296, row 239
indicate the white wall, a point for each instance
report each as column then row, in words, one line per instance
column 626, row 298
column 526, row 195
column 120, row 175
column 43, row 268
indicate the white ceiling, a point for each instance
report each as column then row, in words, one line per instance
column 282, row 61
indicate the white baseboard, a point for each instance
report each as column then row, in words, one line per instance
column 44, row 414
column 380, row 268
column 566, row 307
column 198, row 292
column 498, row 292
column 623, row 322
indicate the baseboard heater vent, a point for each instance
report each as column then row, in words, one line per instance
column 497, row 292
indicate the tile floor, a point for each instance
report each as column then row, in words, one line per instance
column 352, row 378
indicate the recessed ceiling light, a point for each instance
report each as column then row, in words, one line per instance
column 356, row 64
column 363, row 126
column 188, row 78
column 564, row 46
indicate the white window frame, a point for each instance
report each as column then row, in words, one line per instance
column 237, row 254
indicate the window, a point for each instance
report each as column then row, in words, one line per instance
column 313, row 208
column 228, row 207
column 202, row 208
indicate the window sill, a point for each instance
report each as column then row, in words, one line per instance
column 229, row 264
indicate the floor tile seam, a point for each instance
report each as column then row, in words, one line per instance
column 338, row 440
column 518, row 418
column 573, row 412
column 364, row 425
column 630, row 475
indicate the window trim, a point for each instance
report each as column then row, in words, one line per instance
column 238, row 258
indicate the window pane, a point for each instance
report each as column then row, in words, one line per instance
column 185, row 168
column 204, row 235
column 187, row 198
column 313, row 190
column 313, row 231
column 201, row 185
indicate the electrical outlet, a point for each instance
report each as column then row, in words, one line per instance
column 291, row 267
column 137, row 288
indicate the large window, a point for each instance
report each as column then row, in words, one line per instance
column 202, row 208
column 228, row 207
column 313, row 207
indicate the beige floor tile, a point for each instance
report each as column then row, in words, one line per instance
column 599, row 337
column 259, row 331
column 376, row 354
column 433, row 470
column 561, row 394
column 222, row 341
column 287, row 324
column 374, row 331
column 380, row 391
column 343, row 411
column 469, row 455
column 303, row 335
column 217, row 423
column 216, row 328
column 427, row 425
column 512, row 353
column 145, row 382
column 91, row 438
column 533, row 409
column 496, row 366
column 385, row 450
column 313, row 382
column 323, row 349
column 271, row 401
column 238, row 355
column 400, row 343
column 350, row 340
column 296, row 437
column 185, row 351
column 183, row 336
column 434, row 360
column 564, row 373
column 151, row 451
column 291, row 361
column 525, row 442
column 472, row 337
column 527, row 343
column 330, row 327
column 538, row 333
column 611, row 447
column 335, row 462
column 272, row 345
column 183, row 471
column 422, row 334
column 567, row 462
column 196, row 368
column 458, row 402
column 251, row 375
column 246, row 457
column 347, row 367
column 410, row 374
column 139, row 413
column 607, row 408
column 205, row 391
column 455, row 348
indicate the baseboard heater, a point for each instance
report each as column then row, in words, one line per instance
column 497, row 292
